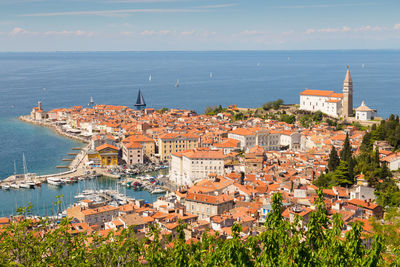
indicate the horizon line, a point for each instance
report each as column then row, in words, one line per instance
column 194, row 50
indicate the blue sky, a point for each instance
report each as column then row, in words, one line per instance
column 50, row 25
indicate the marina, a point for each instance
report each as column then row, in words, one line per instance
column 43, row 196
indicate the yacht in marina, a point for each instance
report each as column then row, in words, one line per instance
column 14, row 185
column 5, row 187
column 54, row 181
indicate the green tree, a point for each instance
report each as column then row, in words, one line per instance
column 345, row 153
column 341, row 175
column 334, row 160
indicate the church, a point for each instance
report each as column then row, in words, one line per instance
column 329, row 102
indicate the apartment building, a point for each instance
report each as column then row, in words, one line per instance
column 191, row 165
column 206, row 206
column 173, row 142
column 132, row 153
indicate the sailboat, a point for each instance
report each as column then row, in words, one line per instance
column 211, row 75
column 140, row 104
column 177, row 83
column 28, row 182
column 91, row 102
column 150, row 78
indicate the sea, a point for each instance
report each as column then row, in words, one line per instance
column 244, row 78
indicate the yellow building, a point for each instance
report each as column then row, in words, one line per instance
column 105, row 155
column 148, row 144
column 172, row 142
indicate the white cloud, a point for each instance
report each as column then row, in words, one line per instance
column 155, row 33
column 148, row 33
column 17, row 31
column 396, row 27
column 127, row 33
column 326, row 5
column 20, row 31
column 119, row 12
column 370, row 28
column 367, row 28
column 218, row 6
column 187, row 33
column 252, row 32
column 68, row 33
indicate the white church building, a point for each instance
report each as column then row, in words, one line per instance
column 329, row 102
column 364, row 113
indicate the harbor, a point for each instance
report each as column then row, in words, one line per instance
column 42, row 198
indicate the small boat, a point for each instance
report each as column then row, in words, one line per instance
column 211, row 75
column 24, row 185
column 158, row 191
column 31, row 184
column 5, row 187
column 15, row 186
column 177, row 83
column 150, row 78
column 80, row 196
column 54, row 181
column 64, row 180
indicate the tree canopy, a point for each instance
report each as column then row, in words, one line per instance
column 30, row 242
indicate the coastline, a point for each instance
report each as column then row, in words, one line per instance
column 76, row 166
column 58, row 130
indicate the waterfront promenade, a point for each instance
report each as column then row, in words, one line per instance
column 77, row 167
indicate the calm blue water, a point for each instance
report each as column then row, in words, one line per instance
column 245, row 78
column 43, row 198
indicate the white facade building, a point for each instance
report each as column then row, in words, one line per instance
column 364, row 113
column 270, row 140
column 362, row 192
column 246, row 137
column 191, row 165
column 329, row 102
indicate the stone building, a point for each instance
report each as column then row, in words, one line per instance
column 206, row 206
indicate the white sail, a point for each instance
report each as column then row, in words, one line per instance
column 150, row 78
column 177, row 83
column 211, row 75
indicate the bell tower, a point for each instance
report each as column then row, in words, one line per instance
column 347, row 104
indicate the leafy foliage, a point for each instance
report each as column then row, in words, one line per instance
column 214, row 110
column 30, row 242
column 273, row 104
